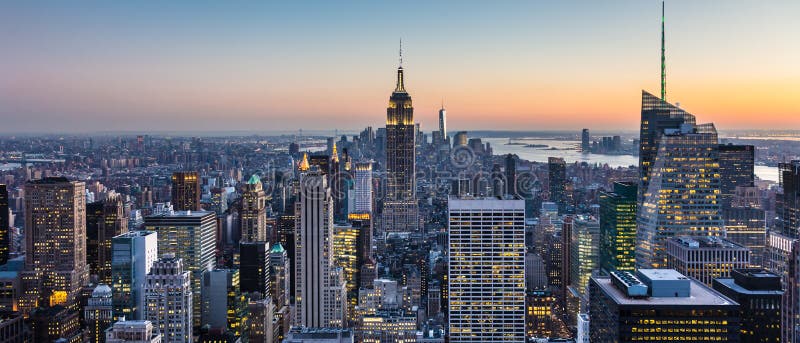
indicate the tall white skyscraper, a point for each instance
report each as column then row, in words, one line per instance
column 683, row 192
column 168, row 299
column 363, row 187
column 486, row 271
column 318, row 285
column 132, row 255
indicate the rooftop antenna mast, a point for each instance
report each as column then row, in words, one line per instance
column 401, row 52
column 663, row 59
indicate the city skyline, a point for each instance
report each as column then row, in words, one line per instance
column 273, row 67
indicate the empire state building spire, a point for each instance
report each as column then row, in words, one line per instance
column 400, row 86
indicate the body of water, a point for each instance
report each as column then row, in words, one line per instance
column 569, row 151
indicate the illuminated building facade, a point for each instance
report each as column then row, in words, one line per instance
column 759, row 293
column 253, row 215
column 387, row 327
column 400, row 208
column 658, row 305
column 745, row 223
column 186, row 191
column 190, row 235
column 55, row 243
column 683, row 192
column 486, row 269
column 706, row 258
column 736, row 169
column 618, row 227
column 584, row 251
column 98, row 313
column 133, row 254
column 363, row 187
column 169, row 298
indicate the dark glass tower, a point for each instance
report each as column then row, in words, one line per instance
column 618, row 227
column 736, row 168
column 186, row 191
column 557, row 175
column 511, row 174
column 254, row 267
column 400, row 205
column 788, row 202
column 5, row 234
column 759, row 293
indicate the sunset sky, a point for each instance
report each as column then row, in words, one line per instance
column 214, row 65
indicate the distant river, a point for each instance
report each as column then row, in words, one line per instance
column 568, row 150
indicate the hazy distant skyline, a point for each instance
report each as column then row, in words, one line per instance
column 224, row 66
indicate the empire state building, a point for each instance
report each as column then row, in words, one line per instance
column 400, row 209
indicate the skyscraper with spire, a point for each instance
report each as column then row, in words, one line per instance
column 663, row 59
column 443, row 124
column 400, row 207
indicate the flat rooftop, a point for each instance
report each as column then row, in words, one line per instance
column 699, row 295
column 183, row 214
column 706, row 242
column 730, row 283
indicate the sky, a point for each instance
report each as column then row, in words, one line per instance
column 93, row 66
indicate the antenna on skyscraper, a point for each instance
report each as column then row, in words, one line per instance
column 663, row 59
column 401, row 52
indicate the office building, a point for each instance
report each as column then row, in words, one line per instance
column 618, row 227
column 99, row 313
column 745, row 223
column 659, row 305
column 319, row 287
column 253, row 215
column 168, row 299
column 186, row 191
column 443, row 125
column 387, row 326
column 783, row 258
column 511, row 174
column 759, row 294
column 586, row 141
column 224, row 307
column 133, row 254
column 363, row 188
column 56, row 324
column 736, row 169
column 400, row 209
column 254, row 265
column 557, row 179
column 262, row 326
column 55, row 243
column 12, row 328
column 280, row 271
column 133, row 331
column 706, row 258
column 584, row 250
column 788, row 201
column 104, row 220
column 682, row 194
column 189, row 235
column 486, row 269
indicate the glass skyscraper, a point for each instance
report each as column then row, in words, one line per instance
column 618, row 227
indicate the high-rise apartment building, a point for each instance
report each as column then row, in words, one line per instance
column 400, row 209
column 55, row 243
column 557, row 179
column 186, row 191
column 618, row 227
column 319, row 293
column 706, row 258
column 253, row 216
column 168, row 297
column 133, row 254
column 683, row 192
column 104, row 220
column 486, row 271
column 759, row 294
column 189, row 235
column 658, row 305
